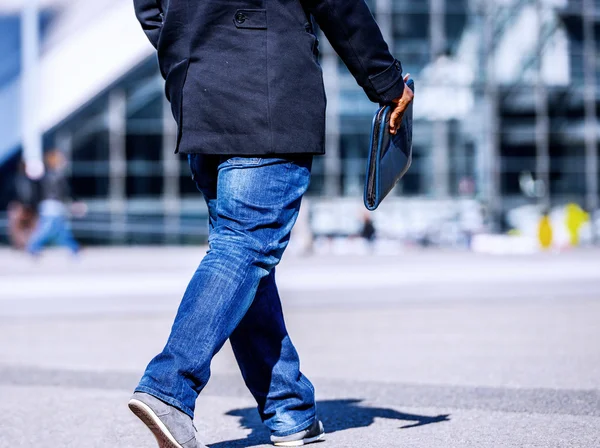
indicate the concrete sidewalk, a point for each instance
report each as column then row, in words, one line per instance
column 423, row 350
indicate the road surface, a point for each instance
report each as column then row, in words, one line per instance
column 422, row 349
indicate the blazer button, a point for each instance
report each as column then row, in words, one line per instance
column 240, row 17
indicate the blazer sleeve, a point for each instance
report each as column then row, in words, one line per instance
column 150, row 15
column 355, row 36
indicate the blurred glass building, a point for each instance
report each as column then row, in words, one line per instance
column 505, row 111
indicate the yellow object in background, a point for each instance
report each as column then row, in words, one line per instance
column 545, row 232
column 575, row 218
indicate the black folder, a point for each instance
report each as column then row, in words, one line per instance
column 390, row 156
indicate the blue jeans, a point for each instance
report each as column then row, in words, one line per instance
column 253, row 204
column 52, row 228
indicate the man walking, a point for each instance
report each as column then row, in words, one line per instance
column 53, row 223
column 247, row 93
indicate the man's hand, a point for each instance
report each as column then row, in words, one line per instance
column 400, row 106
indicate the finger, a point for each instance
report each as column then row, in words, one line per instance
column 400, row 107
column 406, row 77
column 395, row 120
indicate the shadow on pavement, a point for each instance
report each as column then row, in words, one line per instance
column 337, row 415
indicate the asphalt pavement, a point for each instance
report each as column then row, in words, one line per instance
column 419, row 349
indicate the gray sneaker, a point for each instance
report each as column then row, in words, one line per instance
column 171, row 427
column 314, row 433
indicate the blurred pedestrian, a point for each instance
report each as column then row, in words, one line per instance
column 250, row 109
column 53, row 224
column 367, row 230
column 22, row 210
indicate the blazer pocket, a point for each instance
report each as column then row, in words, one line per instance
column 253, row 19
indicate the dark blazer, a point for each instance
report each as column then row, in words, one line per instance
column 242, row 75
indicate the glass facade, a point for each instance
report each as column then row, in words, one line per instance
column 120, row 144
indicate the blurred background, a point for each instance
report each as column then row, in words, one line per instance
column 462, row 313
column 506, row 126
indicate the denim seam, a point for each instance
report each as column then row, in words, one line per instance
column 169, row 400
column 301, row 427
column 270, row 246
column 307, row 383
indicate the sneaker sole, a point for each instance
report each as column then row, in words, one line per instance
column 319, row 438
column 163, row 436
